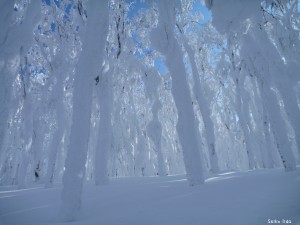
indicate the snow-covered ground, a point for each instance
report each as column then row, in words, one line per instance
column 239, row 198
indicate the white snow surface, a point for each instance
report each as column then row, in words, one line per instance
column 230, row 198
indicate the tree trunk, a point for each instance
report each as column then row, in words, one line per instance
column 86, row 71
column 164, row 40
column 104, row 141
column 205, row 112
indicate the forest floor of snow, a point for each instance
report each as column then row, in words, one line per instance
column 233, row 198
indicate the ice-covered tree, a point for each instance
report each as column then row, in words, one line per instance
column 163, row 38
column 87, row 69
column 97, row 89
column 260, row 59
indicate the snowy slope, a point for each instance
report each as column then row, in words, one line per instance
column 231, row 198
